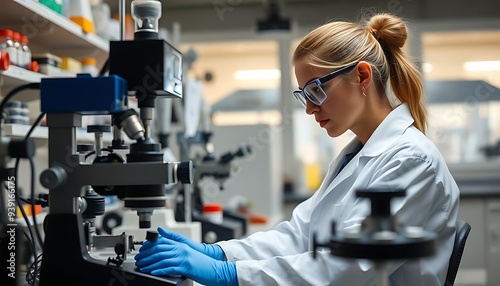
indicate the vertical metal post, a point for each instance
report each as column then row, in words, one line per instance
column 381, row 269
column 187, row 202
column 122, row 10
column 287, row 108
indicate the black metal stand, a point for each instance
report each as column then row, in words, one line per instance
column 381, row 236
column 70, row 263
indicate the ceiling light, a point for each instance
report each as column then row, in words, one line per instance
column 427, row 67
column 274, row 22
column 482, row 66
column 266, row 74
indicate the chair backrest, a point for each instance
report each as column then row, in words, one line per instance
column 463, row 230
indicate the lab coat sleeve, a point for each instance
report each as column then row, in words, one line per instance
column 287, row 238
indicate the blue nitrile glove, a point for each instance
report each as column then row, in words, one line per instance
column 212, row 250
column 175, row 258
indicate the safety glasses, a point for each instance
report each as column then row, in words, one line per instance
column 313, row 91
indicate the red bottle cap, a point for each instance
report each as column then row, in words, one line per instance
column 6, row 33
column 33, row 66
column 16, row 36
column 24, row 39
column 212, row 208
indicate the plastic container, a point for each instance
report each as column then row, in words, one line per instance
column 25, row 55
column 55, row 5
column 79, row 11
column 7, row 44
column 48, row 64
column 72, row 65
column 213, row 213
column 89, row 65
column 16, row 112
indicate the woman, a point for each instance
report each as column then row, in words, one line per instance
column 345, row 71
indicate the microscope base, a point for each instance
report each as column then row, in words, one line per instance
column 161, row 217
column 66, row 259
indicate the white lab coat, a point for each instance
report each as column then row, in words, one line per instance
column 397, row 156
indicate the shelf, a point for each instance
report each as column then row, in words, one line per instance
column 19, row 131
column 16, row 76
column 51, row 32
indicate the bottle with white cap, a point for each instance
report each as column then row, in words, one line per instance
column 16, row 37
column 25, row 52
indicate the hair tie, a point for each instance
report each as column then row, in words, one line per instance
column 376, row 34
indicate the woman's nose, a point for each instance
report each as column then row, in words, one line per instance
column 311, row 108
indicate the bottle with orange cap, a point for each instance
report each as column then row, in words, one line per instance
column 7, row 45
column 89, row 65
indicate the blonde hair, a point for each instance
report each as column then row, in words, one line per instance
column 379, row 42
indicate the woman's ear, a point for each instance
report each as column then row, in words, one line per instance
column 364, row 74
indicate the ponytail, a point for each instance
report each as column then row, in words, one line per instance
column 405, row 79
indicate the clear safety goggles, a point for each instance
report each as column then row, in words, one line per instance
column 313, row 91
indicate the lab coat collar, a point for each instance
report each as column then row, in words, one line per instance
column 388, row 131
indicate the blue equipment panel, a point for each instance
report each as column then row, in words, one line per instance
column 83, row 94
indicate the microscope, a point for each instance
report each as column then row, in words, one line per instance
column 381, row 236
column 146, row 68
column 234, row 224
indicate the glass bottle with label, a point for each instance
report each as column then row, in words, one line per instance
column 16, row 37
column 25, row 52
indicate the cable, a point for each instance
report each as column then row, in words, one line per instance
column 34, row 85
column 104, row 68
column 35, row 124
column 37, row 231
column 32, row 239
column 33, row 275
column 32, row 166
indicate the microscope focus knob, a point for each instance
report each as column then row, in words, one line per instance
column 185, row 172
column 22, row 148
column 53, row 177
column 152, row 235
column 84, row 148
column 98, row 128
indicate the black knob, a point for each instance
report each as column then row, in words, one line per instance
column 98, row 128
column 152, row 235
column 95, row 204
column 185, row 172
column 84, row 148
column 380, row 200
column 22, row 148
